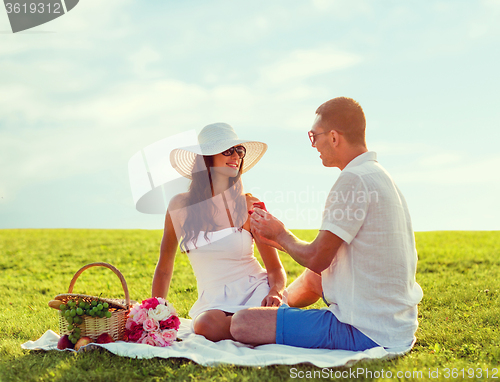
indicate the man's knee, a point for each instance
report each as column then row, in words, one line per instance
column 312, row 282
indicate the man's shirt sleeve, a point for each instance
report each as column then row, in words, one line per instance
column 346, row 207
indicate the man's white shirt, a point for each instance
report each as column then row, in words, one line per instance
column 371, row 284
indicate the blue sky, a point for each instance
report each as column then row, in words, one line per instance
column 80, row 95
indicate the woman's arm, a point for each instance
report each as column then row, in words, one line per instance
column 276, row 274
column 165, row 266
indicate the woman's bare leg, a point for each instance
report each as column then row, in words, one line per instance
column 213, row 325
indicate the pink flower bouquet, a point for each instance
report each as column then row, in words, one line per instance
column 154, row 322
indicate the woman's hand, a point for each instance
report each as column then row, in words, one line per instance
column 273, row 299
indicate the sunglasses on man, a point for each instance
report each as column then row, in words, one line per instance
column 312, row 136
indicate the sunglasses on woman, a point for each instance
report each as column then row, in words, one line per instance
column 240, row 150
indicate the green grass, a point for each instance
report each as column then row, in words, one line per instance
column 459, row 314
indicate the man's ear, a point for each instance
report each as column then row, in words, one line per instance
column 335, row 138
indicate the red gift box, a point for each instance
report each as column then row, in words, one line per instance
column 261, row 205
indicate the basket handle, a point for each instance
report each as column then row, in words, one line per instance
column 106, row 265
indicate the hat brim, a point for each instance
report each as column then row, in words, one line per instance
column 183, row 158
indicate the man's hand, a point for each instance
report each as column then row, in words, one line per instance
column 266, row 228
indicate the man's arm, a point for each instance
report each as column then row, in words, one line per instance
column 316, row 256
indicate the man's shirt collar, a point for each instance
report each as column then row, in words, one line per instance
column 362, row 158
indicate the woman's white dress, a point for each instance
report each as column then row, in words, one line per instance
column 229, row 276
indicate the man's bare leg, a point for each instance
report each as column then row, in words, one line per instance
column 305, row 290
column 255, row 326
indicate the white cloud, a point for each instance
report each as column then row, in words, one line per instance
column 431, row 164
column 482, row 171
column 395, row 148
column 83, row 28
column 439, row 160
column 304, row 63
column 91, row 18
column 484, row 24
column 104, row 129
column 116, row 77
column 342, row 8
column 142, row 60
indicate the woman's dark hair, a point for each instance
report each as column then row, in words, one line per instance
column 200, row 216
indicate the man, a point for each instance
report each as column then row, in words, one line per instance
column 362, row 262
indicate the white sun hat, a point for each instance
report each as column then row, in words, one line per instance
column 214, row 139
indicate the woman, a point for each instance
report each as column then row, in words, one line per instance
column 211, row 224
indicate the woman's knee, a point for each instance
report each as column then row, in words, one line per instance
column 211, row 324
column 204, row 322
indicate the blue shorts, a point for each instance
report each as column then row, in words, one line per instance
column 317, row 329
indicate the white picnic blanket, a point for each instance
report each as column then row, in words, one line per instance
column 208, row 353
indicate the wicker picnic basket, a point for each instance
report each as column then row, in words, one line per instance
column 93, row 327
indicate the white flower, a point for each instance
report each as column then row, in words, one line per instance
column 172, row 309
column 135, row 308
column 162, row 301
column 160, row 313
